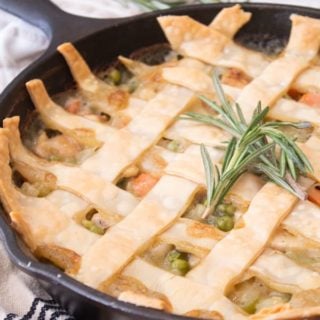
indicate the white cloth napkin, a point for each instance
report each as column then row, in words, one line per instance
column 20, row 44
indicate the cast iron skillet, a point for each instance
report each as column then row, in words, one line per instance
column 100, row 41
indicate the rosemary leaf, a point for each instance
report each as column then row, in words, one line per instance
column 253, row 156
column 219, row 186
column 252, row 147
column 294, row 185
column 258, row 118
column 216, row 108
column 297, row 125
column 291, row 168
column 283, row 164
column 207, row 119
column 229, row 113
column 273, row 176
column 240, row 115
column 228, row 154
column 296, row 190
column 303, row 158
column 208, row 168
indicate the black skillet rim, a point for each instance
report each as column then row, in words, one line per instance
column 50, row 273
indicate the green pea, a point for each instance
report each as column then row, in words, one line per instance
column 173, row 255
column 72, row 161
column 251, row 307
column 97, row 230
column 55, row 158
column 29, row 189
column 92, row 227
column 114, row 76
column 44, row 190
column 225, row 223
column 180, row 265
column 225, row 208
column 132, row 86
column 230, row 209
column 221, row 208
column 86, row 223
column 173, row 145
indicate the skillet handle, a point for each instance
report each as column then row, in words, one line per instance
column 58, row 25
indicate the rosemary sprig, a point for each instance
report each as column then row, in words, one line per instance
column 253, row 148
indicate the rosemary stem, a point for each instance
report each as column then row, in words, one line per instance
column 302, row 195
column 253, row 146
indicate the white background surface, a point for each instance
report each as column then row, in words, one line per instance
column 20, row 44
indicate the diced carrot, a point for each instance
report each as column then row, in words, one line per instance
column 312, row 99
column 235, row 78
column 73, row 105
column 294, row 94
column 314, row 194
column 142, row 184
column 120, row 120
column 118, row 98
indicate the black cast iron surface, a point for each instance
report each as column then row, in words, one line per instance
column 100, row 41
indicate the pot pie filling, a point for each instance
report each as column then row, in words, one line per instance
column 107, row 183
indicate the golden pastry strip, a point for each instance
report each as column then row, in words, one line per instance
column 308, row 80
column 302, row 48
column 184, row 294
column 234, row 253
column 140, row 134
column 126, row 145
column 290, row 110
column 192, row 78
column 158, row 210
column 37, row 219
column 199, row 238
column 304, row 220
column 49, row 224
column 290, row 314
column 229, row 20
column 193, row 39
column 55, row 117
column 100, row 193
column 198, row 81
column 312, row 150
column 192, row 236
column 196, row 133
column 104, row 97
column 270, row 85
column 278, row 271
column 283, row 274
column 188, row 165
column 68, row 203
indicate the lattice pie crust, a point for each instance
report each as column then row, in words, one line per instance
column 273, row 220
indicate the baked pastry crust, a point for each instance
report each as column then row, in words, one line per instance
column 108, row 237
